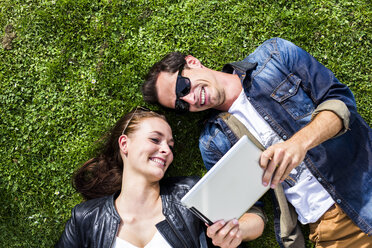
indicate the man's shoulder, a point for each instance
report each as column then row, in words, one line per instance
column 215, row 120
column 211, row 122
column 276, row 41
column 216, row 133
column 270, row 46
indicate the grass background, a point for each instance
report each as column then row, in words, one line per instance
column 70, row 68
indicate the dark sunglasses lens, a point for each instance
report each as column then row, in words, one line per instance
column 181, row 106
column 182, row 86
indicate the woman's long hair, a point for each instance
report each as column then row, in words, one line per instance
column 102, row 175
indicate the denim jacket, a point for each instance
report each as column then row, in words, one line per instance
column 288, row 87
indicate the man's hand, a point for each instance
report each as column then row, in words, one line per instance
column 225, row 235
column 281, row 158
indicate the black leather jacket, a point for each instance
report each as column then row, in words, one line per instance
column 95, row 223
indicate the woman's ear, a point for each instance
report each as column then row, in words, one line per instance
column 123, row 144
column 193, row 62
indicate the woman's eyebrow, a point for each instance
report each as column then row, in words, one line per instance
column 158, row 133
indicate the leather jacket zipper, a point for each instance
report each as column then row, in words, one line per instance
column 175, row 231
column 116, row 231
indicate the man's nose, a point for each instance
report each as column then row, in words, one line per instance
column 189, row 98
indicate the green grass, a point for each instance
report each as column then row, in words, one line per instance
column 70, row 68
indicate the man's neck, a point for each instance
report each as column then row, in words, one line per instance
column 233, row 87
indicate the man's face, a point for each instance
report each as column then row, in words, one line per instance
column 205, row 91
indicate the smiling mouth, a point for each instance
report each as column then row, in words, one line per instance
column 158, row 161
column 202, row 96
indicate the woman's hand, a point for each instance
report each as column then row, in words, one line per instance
column 225, row 235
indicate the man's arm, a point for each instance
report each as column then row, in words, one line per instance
column 336, row 108
column 281, row 158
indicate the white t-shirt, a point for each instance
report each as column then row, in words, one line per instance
column 156, row 241
column 305, row 193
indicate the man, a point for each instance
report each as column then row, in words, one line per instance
column 318, row 148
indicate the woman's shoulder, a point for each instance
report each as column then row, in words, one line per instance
column 84, row 209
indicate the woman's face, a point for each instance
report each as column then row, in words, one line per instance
column 149, row 148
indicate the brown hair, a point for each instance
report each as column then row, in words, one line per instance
column 172, row 62
column 102, row 175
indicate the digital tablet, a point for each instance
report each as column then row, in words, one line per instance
column 231, row 187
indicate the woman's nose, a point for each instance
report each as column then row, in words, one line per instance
column 165, row 149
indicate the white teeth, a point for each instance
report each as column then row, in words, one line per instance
column 202, row 96
column 159, row 161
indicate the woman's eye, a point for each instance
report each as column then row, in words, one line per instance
column 155, row 140
column 171, row 148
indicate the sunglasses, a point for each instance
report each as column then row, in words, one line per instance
column 183, row 86
column 137, row 110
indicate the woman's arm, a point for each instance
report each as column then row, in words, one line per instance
column 249, row 227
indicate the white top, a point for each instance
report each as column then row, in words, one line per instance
column 156, row 241
column 305, row 193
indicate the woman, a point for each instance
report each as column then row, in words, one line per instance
column 128, row 205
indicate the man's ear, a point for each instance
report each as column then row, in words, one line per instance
column 193, row 62
column 123, row 144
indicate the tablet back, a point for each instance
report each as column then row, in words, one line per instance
column 231, row 187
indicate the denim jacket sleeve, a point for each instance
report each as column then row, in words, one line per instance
column 337, row 107
column 325, row 89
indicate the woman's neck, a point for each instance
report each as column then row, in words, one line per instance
column 140, row 208
column 138, row 197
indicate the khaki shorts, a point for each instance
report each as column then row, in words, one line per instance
column 335, row 229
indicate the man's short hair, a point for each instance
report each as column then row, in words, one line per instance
column 171, row 63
